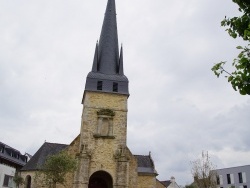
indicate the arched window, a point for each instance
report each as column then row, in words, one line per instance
column 28, row 181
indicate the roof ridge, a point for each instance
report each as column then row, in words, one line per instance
column 55, row 143
column 9, row 147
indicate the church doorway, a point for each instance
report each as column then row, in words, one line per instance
column 100, row 179
column 28, row 181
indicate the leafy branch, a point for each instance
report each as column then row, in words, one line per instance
column 238, row 27
column 55, row 169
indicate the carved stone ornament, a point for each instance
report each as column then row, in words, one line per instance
column 121, row 154
column 106, row 112
column 85, row 152
column 104, row 128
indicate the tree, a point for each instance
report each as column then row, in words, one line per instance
column 55, row 168
column 190, row 186
column 238, row 27
column 203, row 172
column 18, row 180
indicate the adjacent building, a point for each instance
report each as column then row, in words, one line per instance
column 169, row 183
column 234, row 177
column 11, row 161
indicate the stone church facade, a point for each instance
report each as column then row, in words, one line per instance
column 103, row 157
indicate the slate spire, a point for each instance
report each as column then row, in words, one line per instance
column 95, row 62
column 107, row 73
column 120, row 71
column 108, row 52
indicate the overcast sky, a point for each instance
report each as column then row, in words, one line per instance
column 177, row 107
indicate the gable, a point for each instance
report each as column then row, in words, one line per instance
column 145, row 165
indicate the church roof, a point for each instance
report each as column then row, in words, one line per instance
column 145, row 164
column 40, row 156
column 166, row 183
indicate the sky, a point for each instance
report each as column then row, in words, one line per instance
column 177, row 107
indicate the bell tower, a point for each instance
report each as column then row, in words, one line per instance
column 103, row 157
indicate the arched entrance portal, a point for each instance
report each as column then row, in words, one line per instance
column 100, row 179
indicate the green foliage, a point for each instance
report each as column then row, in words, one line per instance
column 190, row 186
column 18, row 180
column 238, row 27
column 56, row 167
column 106, row 112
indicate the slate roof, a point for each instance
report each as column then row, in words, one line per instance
column 145, row 165
column 108, row 52
column 114, row 77
column 28, row 155
column 11, row 156
column 106, row 58
column 166, row 183
column 40, row 156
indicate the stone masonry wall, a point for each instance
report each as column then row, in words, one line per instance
column 146, row 182
column 159, row 184
column 132, row 172
column 102, row 150
column 94, row 101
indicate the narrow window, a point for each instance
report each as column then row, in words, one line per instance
column 115, row 87
column 2, row 149
column 240, row 177
column 228, row 179
column 99, row 85
column 28, row 181
column 8, row 181
column 218, row 180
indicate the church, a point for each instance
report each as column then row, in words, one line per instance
column 103, row 157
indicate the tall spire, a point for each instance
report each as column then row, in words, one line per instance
column 108, row 52
column 107, row 71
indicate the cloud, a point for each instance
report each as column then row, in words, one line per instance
column 176, row 108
